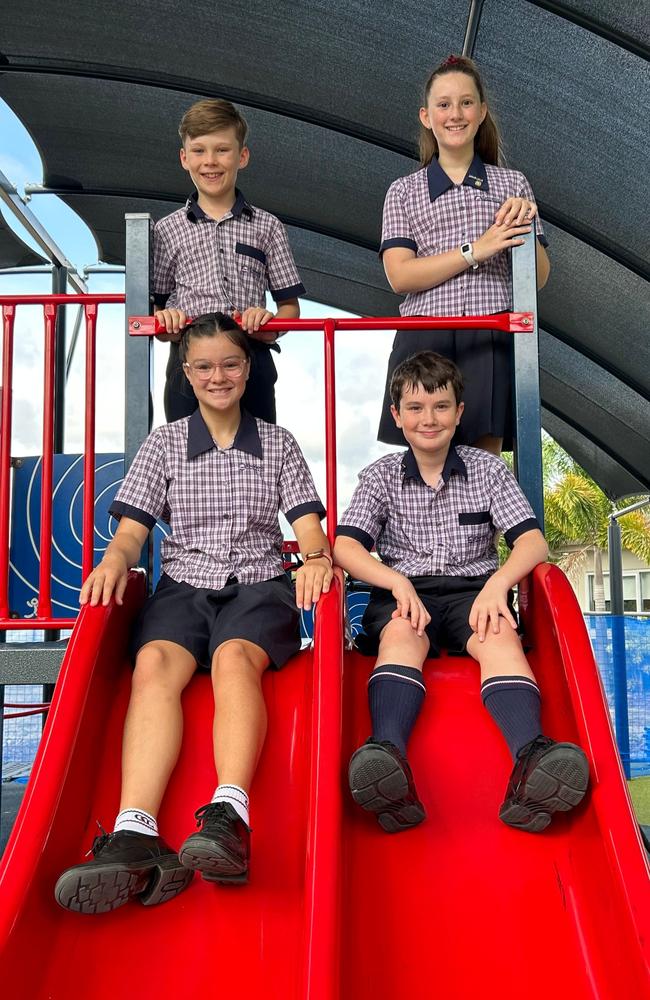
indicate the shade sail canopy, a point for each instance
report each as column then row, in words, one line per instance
column 15, row 253
column 331, row 93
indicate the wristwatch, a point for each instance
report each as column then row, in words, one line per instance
column 318, row 554
column 466, row 250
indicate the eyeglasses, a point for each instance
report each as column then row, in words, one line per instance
column 203, row 370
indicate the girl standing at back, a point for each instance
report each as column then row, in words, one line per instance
column 446, row 230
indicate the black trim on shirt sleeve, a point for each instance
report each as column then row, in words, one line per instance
column 359, row 535
column 294, row 292
column 512, row 534
column 398, row 241
column 542, row 239
column 160, row 299
column 311, row 507
column 119, row 510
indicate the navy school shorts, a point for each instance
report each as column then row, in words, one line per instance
column 200, row 620
column 448, row 599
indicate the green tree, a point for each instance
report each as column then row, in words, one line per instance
column 576, row 513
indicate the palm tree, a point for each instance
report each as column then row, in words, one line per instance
column 576, row 513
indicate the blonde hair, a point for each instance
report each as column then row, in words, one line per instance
column 488, row 141
column 212, row 115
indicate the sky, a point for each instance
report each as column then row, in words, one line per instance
column 361, row 358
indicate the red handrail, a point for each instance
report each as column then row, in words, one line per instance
column 44, row 618
column 521, row 322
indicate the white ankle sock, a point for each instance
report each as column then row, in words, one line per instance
column 236, row 797
column 137, row 821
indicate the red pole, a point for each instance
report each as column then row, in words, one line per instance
column 329, row 326
column 88, row 531
column 8, row 316
column 47, row 464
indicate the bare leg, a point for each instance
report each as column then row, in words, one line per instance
column 154, row 723
column 400, row 643
column 489, row 443
column 501, row 654
column 240, row 712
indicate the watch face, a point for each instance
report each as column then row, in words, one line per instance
column 465, row 247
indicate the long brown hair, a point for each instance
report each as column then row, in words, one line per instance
column 488, row 141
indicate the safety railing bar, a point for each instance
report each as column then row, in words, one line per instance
column 521, row 322
column 47, row 465
column 88, row 529
column 106, row 298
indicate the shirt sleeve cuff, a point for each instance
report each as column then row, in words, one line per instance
column 359, row 535
column 400, row 241
column 512, row 534
column 542, row 239
column 311, row 507
column 294, row 292
column 160, row 299
column 120, row 510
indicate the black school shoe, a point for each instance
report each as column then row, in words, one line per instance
column 381, row 782
column 221, row 849
column 125, row 866
column 548, row 777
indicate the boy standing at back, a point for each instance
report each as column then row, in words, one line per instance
column 220, row 254
column 433, row 513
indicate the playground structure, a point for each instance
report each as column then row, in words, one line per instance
column 335, row 909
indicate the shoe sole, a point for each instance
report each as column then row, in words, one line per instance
column 557, row 784
column 214, row 863
column 379, row 785
column 99, row 889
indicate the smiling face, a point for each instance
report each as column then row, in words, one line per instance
column 218, row 388
column 453, row 111
column 212, row 161
column 428, row 419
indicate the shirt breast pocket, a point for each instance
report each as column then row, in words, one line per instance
column 251, row 271
column 261, row 496
column 475, row 534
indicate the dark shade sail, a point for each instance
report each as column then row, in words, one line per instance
column 15, row 253
column 331, row 93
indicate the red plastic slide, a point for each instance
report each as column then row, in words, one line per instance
column 460, row 907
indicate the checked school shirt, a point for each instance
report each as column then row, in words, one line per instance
column 429, row 214
column 447, row 530
column 202, row 265
column 221, row 503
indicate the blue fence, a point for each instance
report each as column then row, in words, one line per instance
column 622, row 648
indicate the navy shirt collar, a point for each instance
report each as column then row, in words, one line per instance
column 453, row 463
column 195, row 212
column 199, row 439
column 439, row 181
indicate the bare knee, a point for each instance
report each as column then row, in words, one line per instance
column 503, row 643
column 157, row 669
column 399, row 639
column 236, row 658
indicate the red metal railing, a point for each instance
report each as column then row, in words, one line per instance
column 50, row 303
column 146, row 326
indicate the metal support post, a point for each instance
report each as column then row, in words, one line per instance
column 619, row 660
column 59, row 287
column 527, row 402
column 138, row 409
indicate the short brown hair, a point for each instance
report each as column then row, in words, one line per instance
column 211, row 325
column 212, row 115
column 428, row 369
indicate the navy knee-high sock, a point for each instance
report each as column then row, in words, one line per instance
column 514, row 703
column 395, row 695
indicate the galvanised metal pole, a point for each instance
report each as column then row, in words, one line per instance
column 137, row 411
column 526, row 395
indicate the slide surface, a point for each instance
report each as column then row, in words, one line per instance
column 460, row 907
